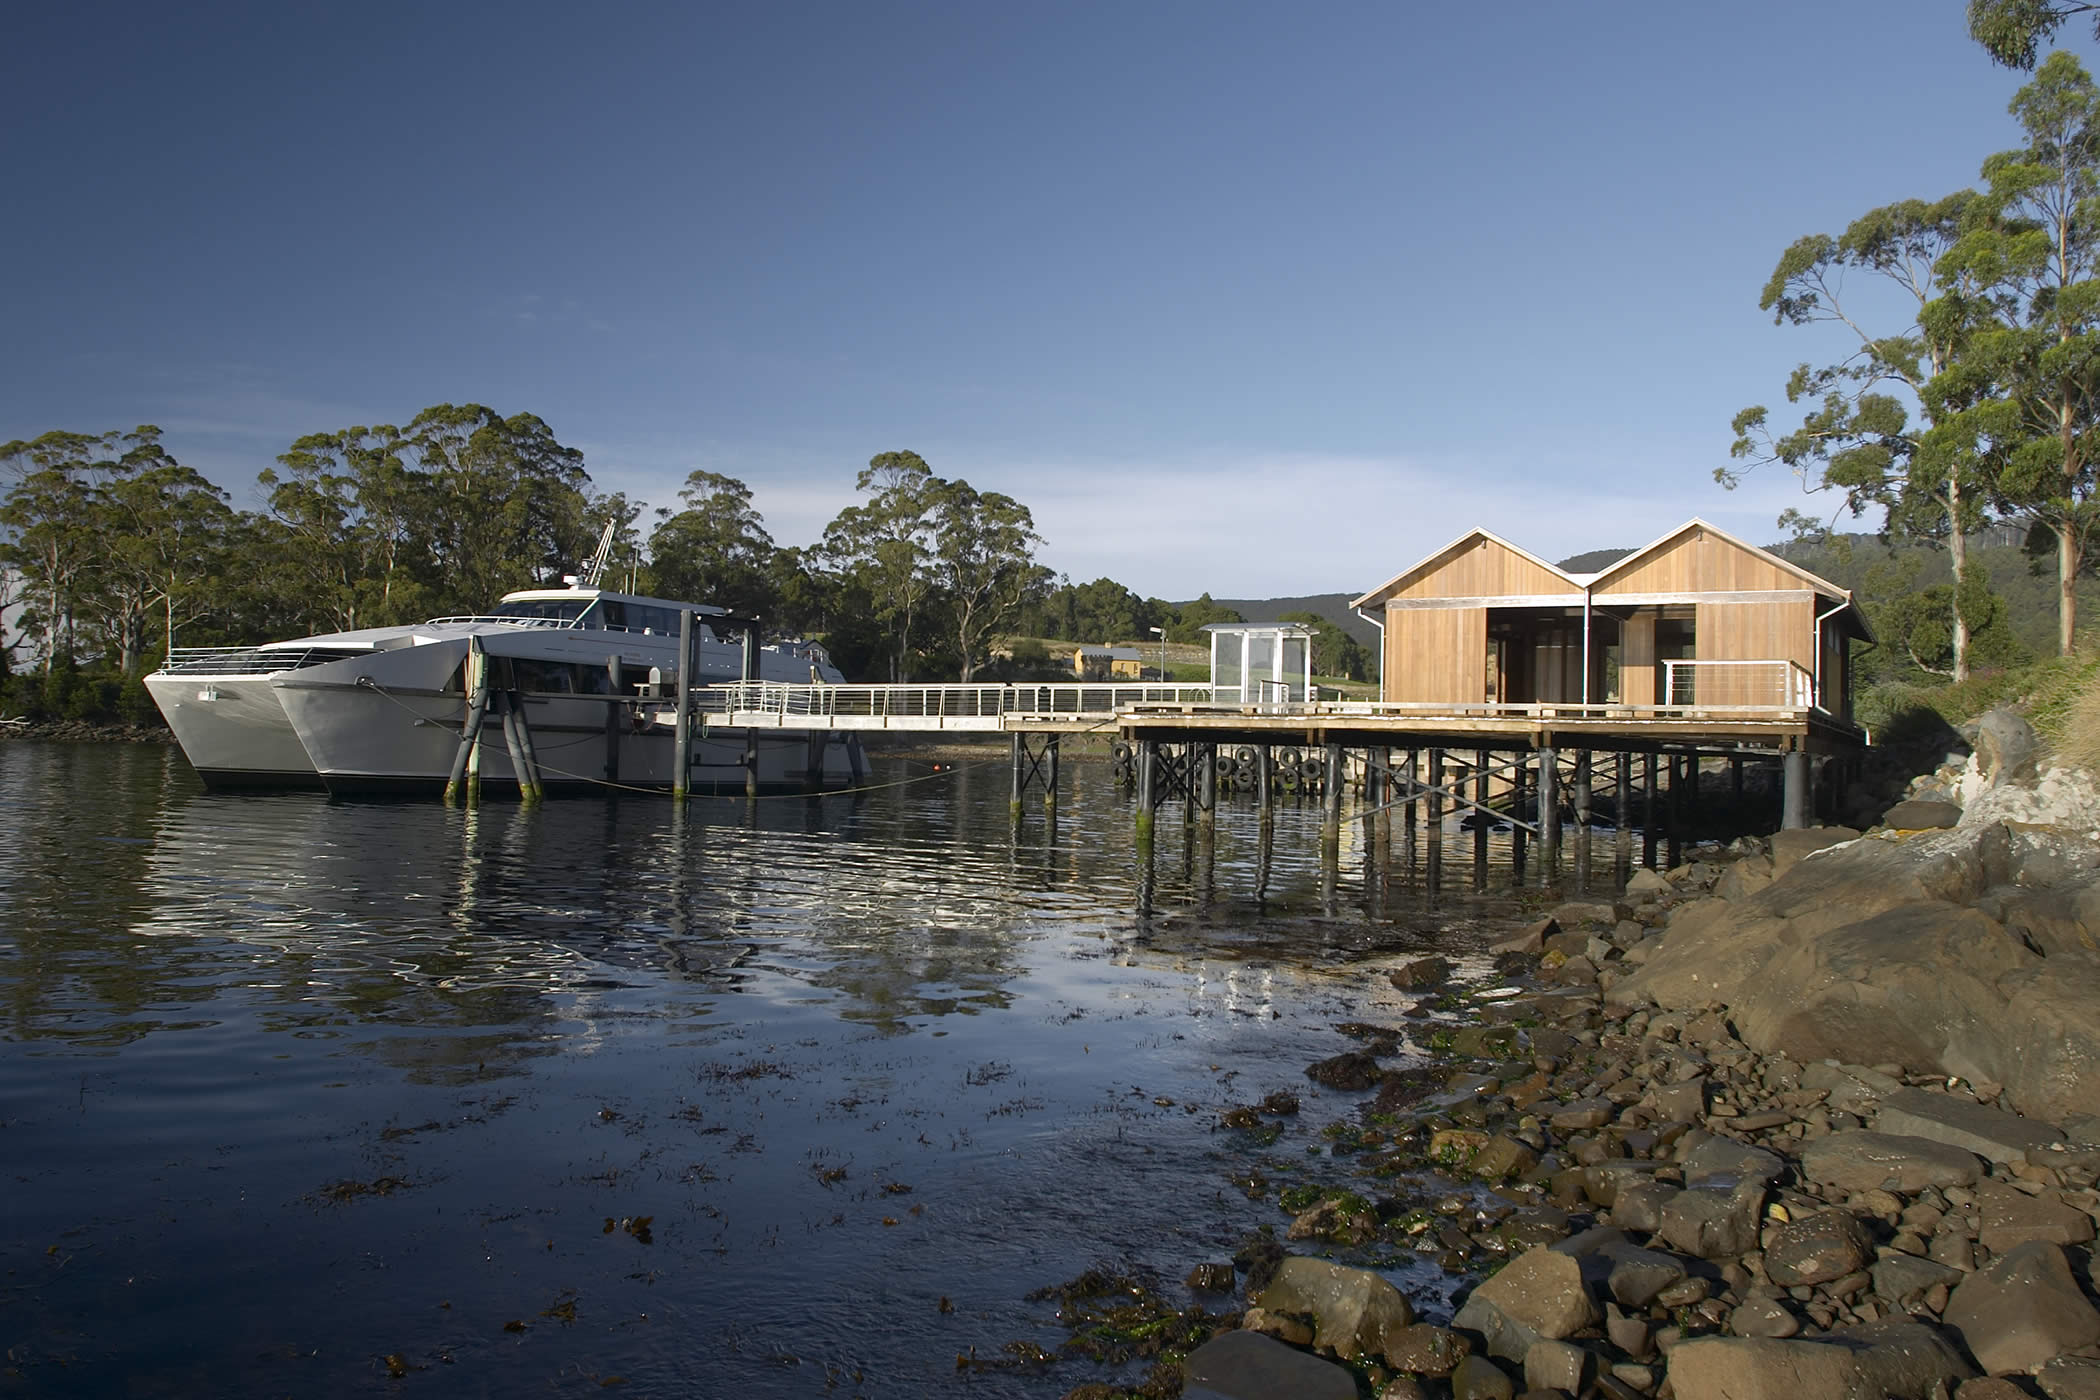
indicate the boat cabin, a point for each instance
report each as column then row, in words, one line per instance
column 1696, row 620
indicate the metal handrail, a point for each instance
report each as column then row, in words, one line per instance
column 950, row 701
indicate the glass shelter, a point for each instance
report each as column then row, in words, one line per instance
column 1260, row 663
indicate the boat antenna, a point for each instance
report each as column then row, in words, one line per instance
column 595, row 568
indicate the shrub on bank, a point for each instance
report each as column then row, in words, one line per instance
column 68, row 692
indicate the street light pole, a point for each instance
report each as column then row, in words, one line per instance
column 1161, row 633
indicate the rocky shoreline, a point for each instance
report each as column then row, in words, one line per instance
column 86, row 731
column 1811, row 1119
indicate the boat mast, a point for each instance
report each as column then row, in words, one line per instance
column 594, row 569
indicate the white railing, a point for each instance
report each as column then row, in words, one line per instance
column 249, row 661
column 940, row 701
column 1737, row 685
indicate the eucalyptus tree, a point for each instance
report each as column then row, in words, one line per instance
column 2041, row 252
column 984, row 557
column 886, row 546
column 346, row 507
column 164, row 535
column 504, row 502
column 2012, row 32
column 1865, row 415
column 716, row 550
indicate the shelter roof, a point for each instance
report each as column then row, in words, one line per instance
column 1433, row 561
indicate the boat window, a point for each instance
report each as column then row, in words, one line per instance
column 545, row 677
column 643, row 617
column 552, row 609
column 593, row 680
column 611, row 612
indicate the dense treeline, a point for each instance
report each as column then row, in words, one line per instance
column 1980, row 400
column 112, row 548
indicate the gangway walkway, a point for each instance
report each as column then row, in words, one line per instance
column 982, row 709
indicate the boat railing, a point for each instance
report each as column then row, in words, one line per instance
column 248, row 661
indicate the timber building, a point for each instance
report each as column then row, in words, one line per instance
column 1696, row 621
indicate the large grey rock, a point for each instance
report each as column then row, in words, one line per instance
column 1355, row 1313
column 1424, row 1350
column 2070, row 1378
column 1817, row 1248
column 1921, row 814
column 1865, row 1161
column 1792, row 845
column 1712, row 1222
column 1560, row 1366
column 1637, row 1275
column 1987, row 1132
column 1478, row 1378
column 2038, row 855
column 1852, row 1088
column 1904, row 1360
column 1902, row 1279
column 1249, row 1366
column 2006, row 748
column 1537, row 1296
column 2012, row 1218
column 1712, row 1160
column 2022, row 1310
column 2063, row 921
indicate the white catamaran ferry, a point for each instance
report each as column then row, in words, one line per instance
column 381, row 709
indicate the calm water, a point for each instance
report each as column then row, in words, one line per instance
column 291, row 1087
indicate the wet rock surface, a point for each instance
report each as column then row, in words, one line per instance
column 1670, row 1179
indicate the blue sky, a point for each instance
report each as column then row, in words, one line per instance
column 1253, row 299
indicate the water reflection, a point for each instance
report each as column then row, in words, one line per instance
column 290, row 1088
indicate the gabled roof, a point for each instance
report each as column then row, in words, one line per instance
column 1413, row 571
column 1821, row 585
column 1585, row 582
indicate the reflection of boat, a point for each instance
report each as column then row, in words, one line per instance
column 388, row 719
column 381, row 709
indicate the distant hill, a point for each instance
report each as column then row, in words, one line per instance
column 1332, row 606
column 1594, row 561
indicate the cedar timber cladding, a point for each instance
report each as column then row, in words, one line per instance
column 1484, row 621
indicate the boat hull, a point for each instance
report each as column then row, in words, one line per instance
column 387, row 725
column 234, row 731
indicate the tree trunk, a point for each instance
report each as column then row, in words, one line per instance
column 2069, row 556
column 1958, row 556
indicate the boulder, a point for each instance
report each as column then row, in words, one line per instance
column 1988, row 1132
column 2070, row 1378
column 1717, row 1221
column 1644, row 883
column 1424, row 1350
column 1560, row 1366
column 2006, row 748
column 1538, row 1295
column 1418, row 973
column 2039, row 855
column 1710, row 1160
column 1638, row 1276
column 1530, row 942
column 1250, row 1366
column 1355, row 1313
column 1817, row 1248
column 1902, row 1279
column 1791, row 846
column 1851, row 1088
column 1639, row 1205
column 2012, row 1218
column 1478, row 1378
column 1905, row 1360
column 2022, row 1310
column 1744, row 878
column 1352, row 1069
column 2058, row 922
column 1867, row 1161
column 1921, row 814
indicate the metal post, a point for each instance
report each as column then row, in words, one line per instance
column 1206, row 783
column 751, row 763
column 1407, row 819
column 1674, row 850
column 1050, row 779
column 1794, row 789
column 1549, row 816
column 1519, row 838
column 1582, row 819
column 682, row 736
column 1262, row 782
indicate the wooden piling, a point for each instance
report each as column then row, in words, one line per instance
column 474, row 689
column 1147, row 792
column 1017, row 758
column 1051, row 778
column 1549, row 816
column 1622, row 838
column 613, row 718
column 682, row 735
column 1674, row 851
column 1480, row 820
column 1331, row 806
column 1205, row 784
column 1519, row 785
column 1648, row 809
column 1582, row 798
column 530, row 789
column 1434, row 820
column 1407, row 823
